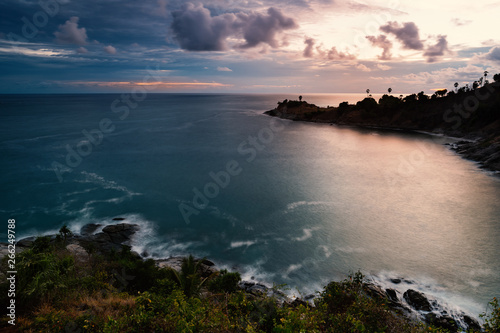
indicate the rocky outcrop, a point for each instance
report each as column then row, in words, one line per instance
column 417, row 300
column 440, row 115
column 442, row 321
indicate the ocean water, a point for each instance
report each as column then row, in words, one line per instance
column 280, row 201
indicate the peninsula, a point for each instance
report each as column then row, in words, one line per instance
column 469, row 113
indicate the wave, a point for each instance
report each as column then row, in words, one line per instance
column 295, row 205
column 442, row 300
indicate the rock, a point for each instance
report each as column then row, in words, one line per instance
column 120, row 233
column 78, row 251
column 173, row 262
column 89, row 229
column 375, row 291
column 392, row 295
column 396, row 281
column 208, row 263
column 417, row 300
column 26, row 242
column 472, row 324
column 119, row 219
column 445, row 322
column 298, row 302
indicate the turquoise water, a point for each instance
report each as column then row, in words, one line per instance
column 282, row 201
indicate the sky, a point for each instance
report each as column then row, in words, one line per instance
column 229, row 46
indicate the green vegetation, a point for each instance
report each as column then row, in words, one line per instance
column 119, row 292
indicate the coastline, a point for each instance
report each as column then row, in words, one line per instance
column 412, row 304
column 476, row 127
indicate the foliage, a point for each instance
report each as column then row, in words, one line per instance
column 225, row 282
column 188, row 279
column 66, row 296
column 492, row 320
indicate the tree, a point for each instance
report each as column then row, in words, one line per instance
column 475, row 85
column 65, row 232
column 300, row 98
column 188, row 278
column 422, row 96
column 485, row 75
column 456, row 86
column 496, row 77
column 368, row 91
column 389, row 90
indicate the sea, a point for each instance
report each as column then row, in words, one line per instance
column 281, row 202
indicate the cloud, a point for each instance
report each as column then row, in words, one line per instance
column 82, row 50
column 309, row 50
column 493, row 54
column 109, row 49
column 383, row 67
column 258, row 28
column 363, row 68
column 224, row 69
column 195, row 29
column 460, row 22
column 407, row 34
column 433, row 52
column 384, row 43
column 331, row 54
column 69, row 33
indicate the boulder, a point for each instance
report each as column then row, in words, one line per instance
column 89, row 229
column 26, row 242
column 119, row 219
column 78, row 251
column 445, row 322
column 472, row 324
column 392, row 295
column 417, row 300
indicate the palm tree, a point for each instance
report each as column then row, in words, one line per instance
column 456, row 86
column 65, row 232
column 188, row 278
column 485, row 75
column 368, row 91
column 389, row 90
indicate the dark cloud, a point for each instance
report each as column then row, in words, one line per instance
column 331, row 54
column 437, row 50
column 494, row 54
column 195, row 29
column 309, row 50
column 258, row 28
column 407, row 34
column 69, row 33
column 384, row 43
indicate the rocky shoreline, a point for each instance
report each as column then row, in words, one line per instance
column 473, row 116
column 97, row 238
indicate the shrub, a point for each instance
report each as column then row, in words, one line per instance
column 225, row 282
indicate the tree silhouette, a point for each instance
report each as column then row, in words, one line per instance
column 496, row 77
column 300, row 98
column 485, row 75
column 389, row 90
column 475, row 85
column 456, row 86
